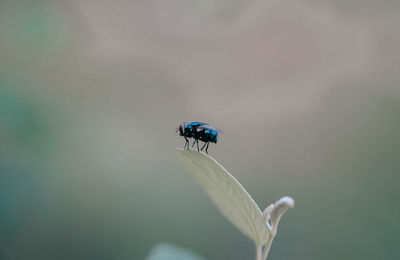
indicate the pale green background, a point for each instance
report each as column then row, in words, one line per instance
column 91, row 92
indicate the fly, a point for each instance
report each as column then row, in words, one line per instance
column 198, row 131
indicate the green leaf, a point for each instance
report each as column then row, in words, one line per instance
column 233, row 201
column 166, row 251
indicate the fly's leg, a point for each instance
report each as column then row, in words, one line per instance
column 203, row 146
column 196, row 141
column 207, row 148
column 186, row 143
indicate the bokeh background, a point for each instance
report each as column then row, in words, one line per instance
column 306, row 91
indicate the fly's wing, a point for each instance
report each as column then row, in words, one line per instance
column 208, row 127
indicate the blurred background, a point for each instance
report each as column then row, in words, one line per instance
column 307, row 93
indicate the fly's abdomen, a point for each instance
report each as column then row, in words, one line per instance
column 207, row 135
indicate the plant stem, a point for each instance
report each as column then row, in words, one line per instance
column 266, row 248
column 258, row 252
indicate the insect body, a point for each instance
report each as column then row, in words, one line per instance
column 198, row 131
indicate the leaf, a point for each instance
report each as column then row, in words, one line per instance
column 280, row 207
column 165, row 251
column 233, row 201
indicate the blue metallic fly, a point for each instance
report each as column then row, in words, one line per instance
column 198, row 131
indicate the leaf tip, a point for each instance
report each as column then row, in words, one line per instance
column 287, row 201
